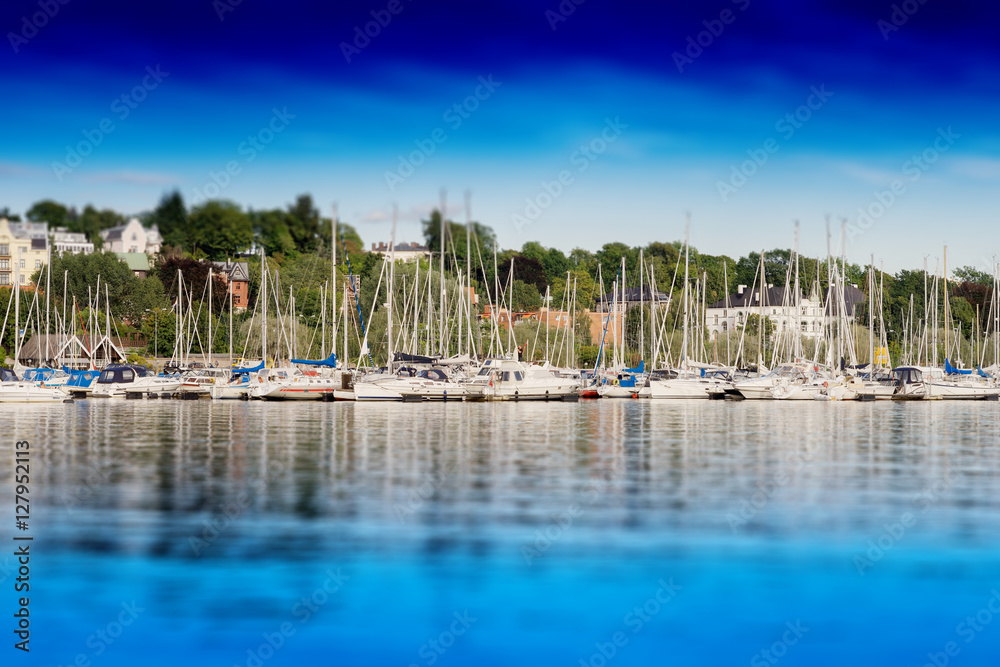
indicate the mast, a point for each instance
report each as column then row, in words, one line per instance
column 209, row 315
column 263, row 297
column 684, row 338
column 946, row 319
column 333, row 278
column 48, row 286
column 441, row 314
column 392, row 277
column 468, row 267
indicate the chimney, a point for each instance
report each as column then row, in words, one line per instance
column 740, row 289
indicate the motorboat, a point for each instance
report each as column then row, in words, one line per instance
column 511, row 380
column 16, row 390
column 131, row 380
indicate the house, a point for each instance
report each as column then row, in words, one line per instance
column 408, row 252
column 24, row 248
column 74, row 351
column 237, row 277
column 787, row 309
column 132, row 237
column 138, row 262
column 65, row 241
column 630, row 297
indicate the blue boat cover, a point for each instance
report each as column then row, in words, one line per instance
column 330, row 361
column 254, row 369
column 637, row 369
column 951, row 370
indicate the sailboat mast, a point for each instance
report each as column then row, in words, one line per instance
column 441, row 314
column 392, row 278
column 333, row 279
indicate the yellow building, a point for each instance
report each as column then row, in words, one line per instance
column 23, row 250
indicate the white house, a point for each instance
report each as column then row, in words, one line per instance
column 132, row 237
column 809, row 315
column 65, row 241
column 407, row 252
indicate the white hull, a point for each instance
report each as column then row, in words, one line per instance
column 679, row 388
column 30, row 392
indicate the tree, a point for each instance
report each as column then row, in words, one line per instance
column 524, row 297
column 195, row 274
column 5, row 213
column 48, row 211
column 302, row 221
column 971, row 274
column 220, row 229
column 91, row 222
column 171, row 218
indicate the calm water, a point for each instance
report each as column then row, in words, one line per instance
column 608, row 532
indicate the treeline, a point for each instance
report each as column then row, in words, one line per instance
column 215, row 229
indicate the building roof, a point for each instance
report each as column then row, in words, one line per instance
column 400, row 247
column 29, row 230
column 773, row 296
column 239, row 271
column 632, row 295
column 137, row 261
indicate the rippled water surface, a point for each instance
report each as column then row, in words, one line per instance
column 607, row 532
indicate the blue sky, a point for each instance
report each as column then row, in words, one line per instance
column 672, row 136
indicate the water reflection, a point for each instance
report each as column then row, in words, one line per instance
column 548, row 518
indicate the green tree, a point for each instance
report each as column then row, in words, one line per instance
column 48, row 211
column 171, row 218
column 220, row 229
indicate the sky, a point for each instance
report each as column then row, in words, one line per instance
column 570, row 124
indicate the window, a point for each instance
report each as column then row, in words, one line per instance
column 804, row 326
column 725, row 327
column 4, row 249
column 4, row 264
column 128, row 375
column 4, row 279
column 22, row 263
column 38, row 263
column 24, row 278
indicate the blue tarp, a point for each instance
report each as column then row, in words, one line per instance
column 951, row 370
column 330, row 361
column 254, row 369
column 637, row 369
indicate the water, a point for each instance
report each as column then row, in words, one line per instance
column 608, row 532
